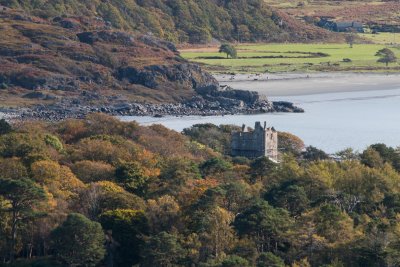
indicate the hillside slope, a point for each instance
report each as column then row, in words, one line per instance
column 182, row 21
column 71, row 66
column 73, row 55
column 381, row 15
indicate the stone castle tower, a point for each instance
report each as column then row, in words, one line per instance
column 262, row 141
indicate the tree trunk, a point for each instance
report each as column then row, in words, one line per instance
column 13, row 235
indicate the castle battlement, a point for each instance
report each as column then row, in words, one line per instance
column 261, row 141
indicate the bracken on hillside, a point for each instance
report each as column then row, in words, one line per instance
column 48, row 59
column 184, row 21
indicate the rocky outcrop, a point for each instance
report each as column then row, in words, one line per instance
column 284, row 106
column 114, row 37
column 156, row 42
column 185, row 74
column 195, row 107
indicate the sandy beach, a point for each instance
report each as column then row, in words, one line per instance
column 295, row 84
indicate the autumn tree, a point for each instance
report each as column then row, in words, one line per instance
column 289, row 143
column 163, row 213
column 97, row 198
column 93, row 171
column 217, row 234
column 371, row 158
column 60, row 180
column 332, row 223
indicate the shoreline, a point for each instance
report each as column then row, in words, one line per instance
column 204, row 109
column 298, row 84
column 279, row 87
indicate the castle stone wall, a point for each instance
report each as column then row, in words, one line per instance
column 262, row 141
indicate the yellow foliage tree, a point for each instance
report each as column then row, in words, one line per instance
column 59, row 180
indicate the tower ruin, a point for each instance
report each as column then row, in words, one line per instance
column 261, row 141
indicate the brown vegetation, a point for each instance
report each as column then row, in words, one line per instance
column 54, row 60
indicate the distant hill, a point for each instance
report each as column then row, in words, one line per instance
column 81, row 57
column 379, row 15
column 182, row 21
column 71, row 66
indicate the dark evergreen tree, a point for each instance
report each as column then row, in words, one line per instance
column 79, row 241
column 5, row 127
column 126, row 230
column 22, row 195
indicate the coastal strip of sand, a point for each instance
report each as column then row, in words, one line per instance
column 294, row 84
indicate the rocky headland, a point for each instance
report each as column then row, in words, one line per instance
column 57, row 68
column 218, row 103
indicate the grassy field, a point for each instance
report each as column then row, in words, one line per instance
column 382, row 38
column 262, row 58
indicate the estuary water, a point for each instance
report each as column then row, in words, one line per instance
column 332, row 121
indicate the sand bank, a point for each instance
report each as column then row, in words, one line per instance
column 306, row 84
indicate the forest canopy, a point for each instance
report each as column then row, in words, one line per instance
column 101, row 192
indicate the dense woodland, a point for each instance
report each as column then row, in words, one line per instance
column 182, row 21
column 101, row 192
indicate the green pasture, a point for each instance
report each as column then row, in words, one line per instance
column 290, row 58
column 382, row 37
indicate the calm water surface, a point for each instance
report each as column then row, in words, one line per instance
column 331, row 122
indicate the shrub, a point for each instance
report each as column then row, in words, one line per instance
column 93, row 171
column 54, row 142
column 5, row 127
column 3, row 86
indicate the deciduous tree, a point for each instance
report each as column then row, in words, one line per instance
column 350, row 37
column 229, row 50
